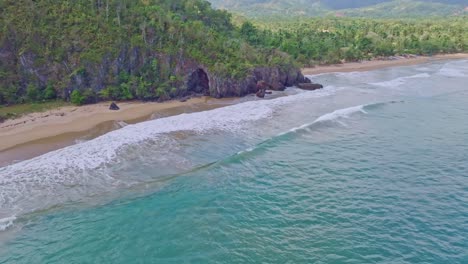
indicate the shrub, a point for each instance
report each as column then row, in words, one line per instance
column 76, row 98
column 160, row 92
column 49, row 93
column 174, row 91
column 9, row 95
column 126, row 93
column 32, row 93
column 105, row 94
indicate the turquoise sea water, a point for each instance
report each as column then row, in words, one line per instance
column 373, row 169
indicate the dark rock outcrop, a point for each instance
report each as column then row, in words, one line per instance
column 262, row 86
column 276, row 78
column 310, row 86
column 198, row 82
column 114, row 107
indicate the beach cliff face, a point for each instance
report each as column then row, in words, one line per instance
column 276, row 77
column 190, row 76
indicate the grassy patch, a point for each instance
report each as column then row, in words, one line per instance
column 15, row 111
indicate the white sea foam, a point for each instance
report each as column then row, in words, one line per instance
column 425, row 69
column 346, row 112
column 80, row 140
column 355, row 74
column 121, row 124
column 69, row 173
column 451, row 72
column 401, row 80
column 340, row 113
column 335, row 115
column 6, row 223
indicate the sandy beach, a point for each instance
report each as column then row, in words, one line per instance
column 378, row 64
column 38, row 133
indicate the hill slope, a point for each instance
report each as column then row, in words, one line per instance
column 367, row 8
column 123, row 49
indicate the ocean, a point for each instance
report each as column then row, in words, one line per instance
column 371, row 169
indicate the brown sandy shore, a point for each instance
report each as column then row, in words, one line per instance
column 38, row 133
column 378, row 64
column 35, row 134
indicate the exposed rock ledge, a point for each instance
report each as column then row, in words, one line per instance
column 276, row 78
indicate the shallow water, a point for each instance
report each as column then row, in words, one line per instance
column 372, row 169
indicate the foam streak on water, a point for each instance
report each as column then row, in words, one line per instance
column 401, row 80
column 5, row 223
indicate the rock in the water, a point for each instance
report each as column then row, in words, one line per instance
column 310, row 86
column 268, row 92
column 114, row 107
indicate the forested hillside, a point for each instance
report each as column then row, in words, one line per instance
column 362, row 8
column 90, row 50
column 332, row 40
column 124, row 49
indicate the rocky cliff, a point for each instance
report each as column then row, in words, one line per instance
column 190, row 77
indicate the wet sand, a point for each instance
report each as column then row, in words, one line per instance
column 38, row 133
column 379, row 64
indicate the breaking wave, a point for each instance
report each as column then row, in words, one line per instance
column 6, row 223
column 401, row 80
column 328, row 117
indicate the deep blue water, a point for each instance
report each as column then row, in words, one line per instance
column 374, row 169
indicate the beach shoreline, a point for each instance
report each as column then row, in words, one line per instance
column 379, row 64
column 38, row 133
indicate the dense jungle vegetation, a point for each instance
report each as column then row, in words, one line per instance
column 49, row 49
column 314, row 41
column 84, row 51
column 348, row 8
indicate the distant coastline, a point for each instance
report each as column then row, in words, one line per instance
column 380, row 63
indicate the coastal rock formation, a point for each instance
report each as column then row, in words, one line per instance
column 261, row 94
column 190, row 77
column 310, row 86
column 198, row 82
column 276, row 78
column 261, row 88
column 114, row 107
